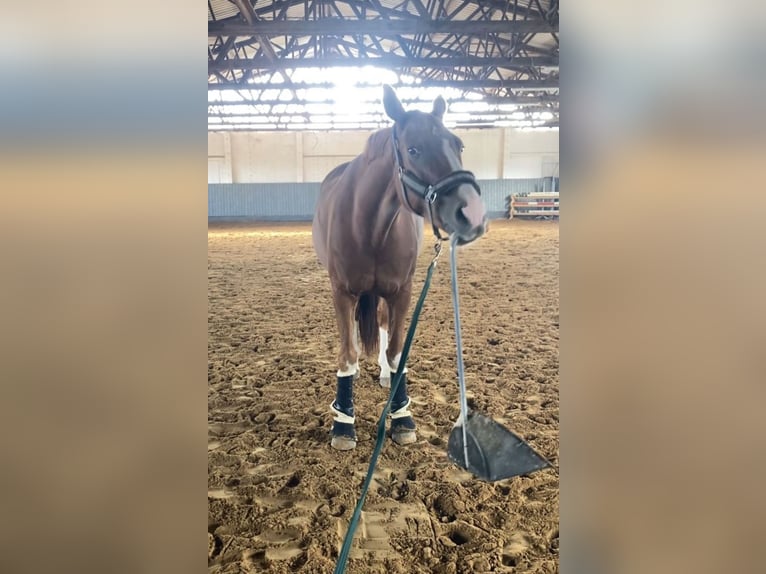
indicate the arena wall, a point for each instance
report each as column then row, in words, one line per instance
column 274, row 176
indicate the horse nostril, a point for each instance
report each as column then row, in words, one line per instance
column 460, row 217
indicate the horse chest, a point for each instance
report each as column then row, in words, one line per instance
column 391, row 275
column 396, row 256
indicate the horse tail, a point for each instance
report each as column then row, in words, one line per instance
column 367, row 316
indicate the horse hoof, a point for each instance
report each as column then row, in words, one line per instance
column 403, row 429
column 385, row 382
column 404, row 436
column 343, row 443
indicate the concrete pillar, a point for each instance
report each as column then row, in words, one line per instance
column 299, row 175
column 226, row 172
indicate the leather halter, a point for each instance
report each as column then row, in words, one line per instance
column 429, row 192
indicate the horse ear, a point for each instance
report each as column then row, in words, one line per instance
column 440, row 106
column 391, row 104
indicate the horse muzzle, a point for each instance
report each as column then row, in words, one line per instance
column 465, row 239
column 464, row 215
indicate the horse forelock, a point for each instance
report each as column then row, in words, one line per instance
column 378, row 141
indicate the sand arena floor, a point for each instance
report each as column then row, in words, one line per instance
column 280, row 498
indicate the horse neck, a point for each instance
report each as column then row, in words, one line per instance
column 388, row 214
column 379, row 176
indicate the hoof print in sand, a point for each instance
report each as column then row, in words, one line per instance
column 281, row 498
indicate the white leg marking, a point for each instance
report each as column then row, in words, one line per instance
column 355, row 339
column 395, row 363
column 351, row 369
column 385, row 370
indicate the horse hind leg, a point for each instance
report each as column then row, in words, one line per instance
column 357, row 347
column 385, row 369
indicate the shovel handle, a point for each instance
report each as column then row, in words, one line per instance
column 459, row 344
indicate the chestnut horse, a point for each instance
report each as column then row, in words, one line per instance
column 367, row 233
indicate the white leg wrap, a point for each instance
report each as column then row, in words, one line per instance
column 349, row 370
column 385, row 370
column 340, row 416
column 402, row 412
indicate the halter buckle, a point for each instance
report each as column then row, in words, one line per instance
column 437, row 250
column 430, row 196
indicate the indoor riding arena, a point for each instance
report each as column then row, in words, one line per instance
column 295, row 89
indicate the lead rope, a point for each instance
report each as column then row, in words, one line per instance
column 340, row 567
column 459, row 344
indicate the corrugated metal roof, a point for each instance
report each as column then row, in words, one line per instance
column 537, row 79
column 222, row 9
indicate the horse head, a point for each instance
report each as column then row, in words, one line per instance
column 430, row 168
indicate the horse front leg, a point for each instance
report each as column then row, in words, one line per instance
column 343, row 434
column 402, row 424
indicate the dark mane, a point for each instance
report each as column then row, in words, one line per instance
column 336, row 172
column 377, row 143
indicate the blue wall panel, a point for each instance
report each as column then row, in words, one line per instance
column 495, row 192
column 296, row 201
column 265, row 201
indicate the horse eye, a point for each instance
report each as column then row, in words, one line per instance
column 413, row 151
